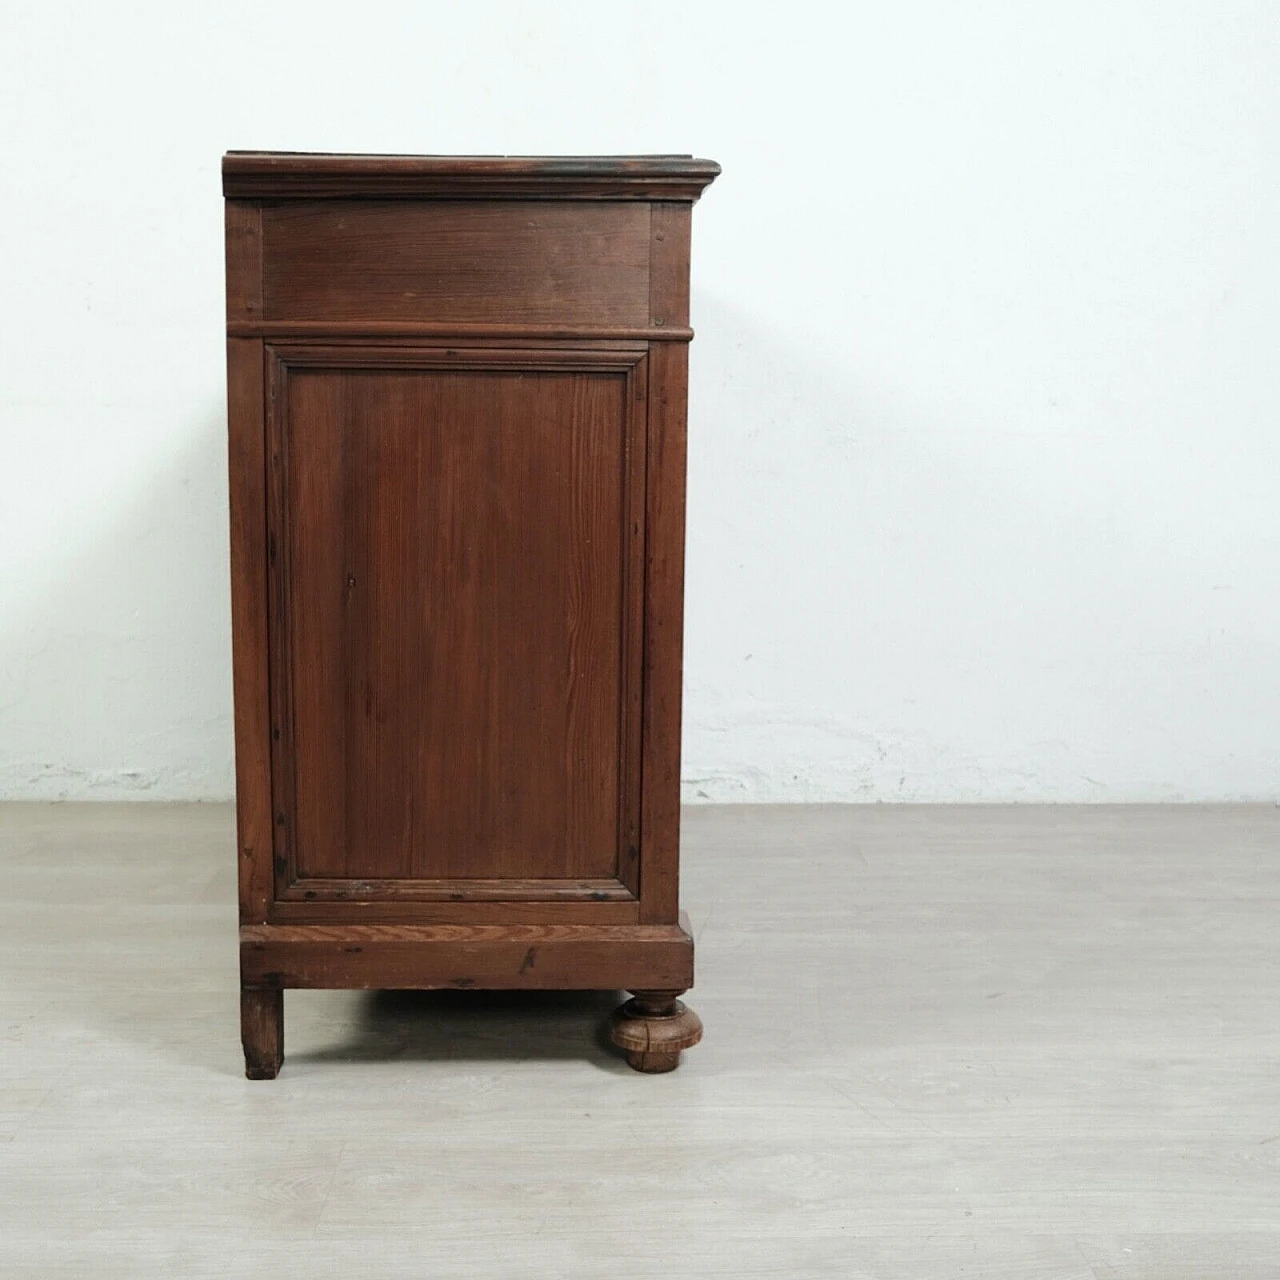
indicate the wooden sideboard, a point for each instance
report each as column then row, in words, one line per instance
column 456, row 406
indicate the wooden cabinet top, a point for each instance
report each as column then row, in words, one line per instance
column 279, row 175
column 591, row 247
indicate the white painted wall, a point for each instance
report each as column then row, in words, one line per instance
column 985, row 402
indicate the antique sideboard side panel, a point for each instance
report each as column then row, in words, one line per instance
column 572, row 272
column 246, row 430
column 669, row 228
column 353, row 836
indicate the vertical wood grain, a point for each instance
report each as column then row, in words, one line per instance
column 279, row 623
column 663, row 633
column 630, row 711
column 244, row 261
column 248, row 502
column 316, row 482
column 669, row 231
column 262, row 1031
column 389, row 688
column 456, row 550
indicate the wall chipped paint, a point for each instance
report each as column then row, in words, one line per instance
column 983, row 403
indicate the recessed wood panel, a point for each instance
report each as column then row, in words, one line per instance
column 453, row 578
column 457, row 262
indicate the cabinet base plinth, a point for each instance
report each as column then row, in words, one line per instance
column 655, row 961
column 500, row 957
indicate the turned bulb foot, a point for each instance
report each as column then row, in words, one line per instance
column 653, row 1029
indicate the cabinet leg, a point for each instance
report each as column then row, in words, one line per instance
column 262, row 1032
column 653, row 1028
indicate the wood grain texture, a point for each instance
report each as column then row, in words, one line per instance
column 551, row 356
column 452, row 587
column 291, row 175
column 262, row 1031
column 470, row 889
column 395, row 902
column 246, row 433
column 669, row 232
column 663, row 633
column 653, row 1029
column 457, row 262
column 244, row 263
column 541, row 932
column 631, row 655
column 506, row 957
column 426, row 330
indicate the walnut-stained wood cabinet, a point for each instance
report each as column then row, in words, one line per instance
column 457, row 460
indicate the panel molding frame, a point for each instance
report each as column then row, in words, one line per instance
column 299, row 895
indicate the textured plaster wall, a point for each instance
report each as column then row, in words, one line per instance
column 984, row 453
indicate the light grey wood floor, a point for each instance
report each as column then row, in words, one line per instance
column 1024, row 1043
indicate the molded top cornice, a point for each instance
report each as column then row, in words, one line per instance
column 279, row 175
